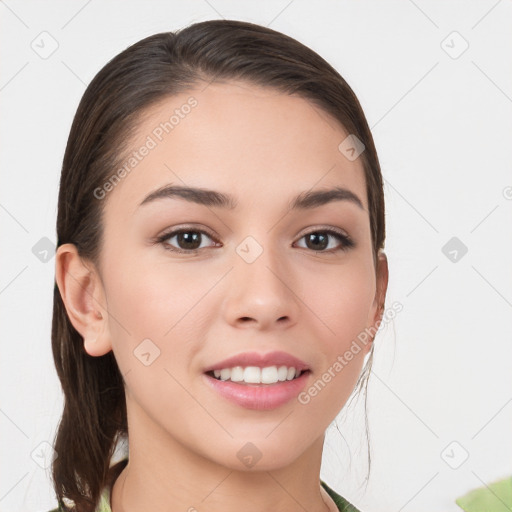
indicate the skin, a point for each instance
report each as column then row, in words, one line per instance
column 263, row 147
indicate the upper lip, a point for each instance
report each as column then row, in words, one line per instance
column 245, row 359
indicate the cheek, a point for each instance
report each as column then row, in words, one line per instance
column 152, row 301
column 341, row 301
column 151, row 330
column 152, row 297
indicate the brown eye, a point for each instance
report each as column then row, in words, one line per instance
column 320, row 240
column 189, row 240
column 184, row 240
column 317, row 241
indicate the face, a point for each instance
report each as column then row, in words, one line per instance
column 190, row 281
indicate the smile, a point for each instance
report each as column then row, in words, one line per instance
column 259, row 395
column 256, row 375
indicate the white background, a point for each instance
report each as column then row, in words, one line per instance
column 442, row 128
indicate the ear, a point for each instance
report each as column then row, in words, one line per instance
column 377, row 309
column 83, row 295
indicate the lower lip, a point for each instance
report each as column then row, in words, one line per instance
column 262, row 397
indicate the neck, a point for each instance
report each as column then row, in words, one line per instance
column 162, row 474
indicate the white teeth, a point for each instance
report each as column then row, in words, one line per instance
column 256, row 375
column 252, row 375
column 237, row 374
column 269, row 375
column 282, row 372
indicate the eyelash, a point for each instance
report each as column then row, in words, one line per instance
column 346, row 242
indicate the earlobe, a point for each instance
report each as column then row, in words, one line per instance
column 83, row 296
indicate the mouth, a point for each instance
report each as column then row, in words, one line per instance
column 259, row 389
column 253, row 380
column 256, row 376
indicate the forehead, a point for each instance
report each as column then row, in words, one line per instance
column 256, row 143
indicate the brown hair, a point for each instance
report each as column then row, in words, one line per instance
column 166, row 64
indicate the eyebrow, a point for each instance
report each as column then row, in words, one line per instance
column 206, row 197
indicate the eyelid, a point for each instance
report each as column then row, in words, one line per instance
column 315, row 229
column 177, row 229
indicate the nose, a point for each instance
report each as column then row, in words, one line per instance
column 261, row 294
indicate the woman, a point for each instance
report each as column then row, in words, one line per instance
column 219, row 267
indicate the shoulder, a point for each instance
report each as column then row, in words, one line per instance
column 342, row 504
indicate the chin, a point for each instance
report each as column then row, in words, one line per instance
column 263, row 454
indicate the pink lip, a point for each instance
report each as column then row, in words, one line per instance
column 260, row 397
column 261, row 360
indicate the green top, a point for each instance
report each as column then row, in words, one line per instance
column 342, row 504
